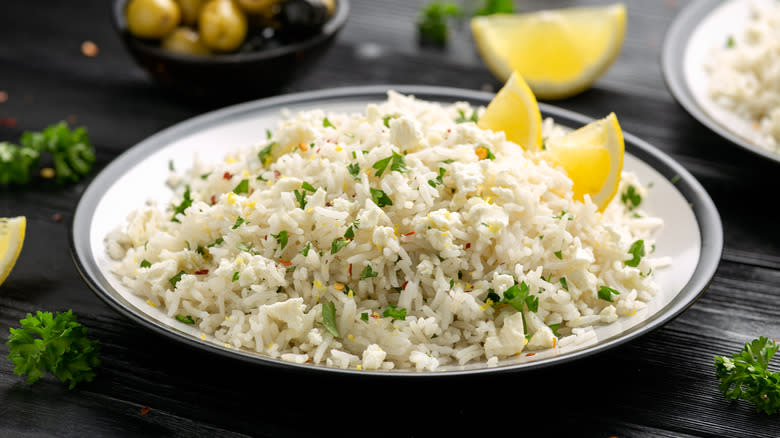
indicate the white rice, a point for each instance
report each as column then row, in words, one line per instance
column 460, row 232
column 744, row 74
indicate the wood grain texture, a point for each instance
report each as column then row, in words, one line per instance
column 661, row 385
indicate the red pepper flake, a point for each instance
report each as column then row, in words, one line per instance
column 277, row 174
column 468, row 245
column 213, row 199
column 285, row 262
column 8, row 122
column 227, row 175
column 145, row 410
column 318, row 150
column 350, row 269
column 403, row 286
column 329, row 204
column 408, row 234
column 90, row 49
column 530, row 354
column 3, row 96
column 202, row 272
column 57, row 217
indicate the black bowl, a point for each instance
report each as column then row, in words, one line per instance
column 248, row 74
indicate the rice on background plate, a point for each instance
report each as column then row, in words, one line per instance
column 403, row 237
column 743, row 74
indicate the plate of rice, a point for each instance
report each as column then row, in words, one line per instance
column 365, row 230
column 720, row 61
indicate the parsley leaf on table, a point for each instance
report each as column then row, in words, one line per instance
column 746, row 375
column 56, row 344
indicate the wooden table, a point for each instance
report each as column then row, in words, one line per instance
column 663, row 384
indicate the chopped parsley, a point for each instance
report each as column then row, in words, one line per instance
column 176, row 278
column 205, row 175
column 559, row 255
column 463, row 119
column 329, row 318
column 300, row 197
column 350, row 233
column 187, row 319
column 235, row 276
column 554, row 328
column 518, row 295
column 242, row 187
column 439, row 180
column 496, row 7
column 239, row 221
column 746, row 375
column 565, row 214
column 338, row 244
column 605, row 293
column 386, row 119
column 364, row 316
column 396, row 162
column 368, row 272
column 380, row 198
column 305, row 250
column 265, row 154
column 483, row 153
column 637, row 251
column 395, row 313
column 244, row 247
column 216, row 242
column 308, row 187
column 631, row 197
column 185, row 203
column 281, row 238
column 564, row 284
column 730, row 42
column 327, row 124
column 354, row 170
column 493, row 296
column 145, row 264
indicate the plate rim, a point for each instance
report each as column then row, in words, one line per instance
column 704, row 211
column 675, row 44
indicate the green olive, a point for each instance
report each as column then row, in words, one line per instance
column 185, row 40
column 223, row 26
column 258, row 6
column 190, row 11
column 152, row 19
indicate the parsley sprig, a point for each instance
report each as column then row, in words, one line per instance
column 71, row 152
column 56, row 344
column 746, row 375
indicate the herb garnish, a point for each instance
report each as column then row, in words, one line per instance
column 631, row 197
column 564, row 284
column 242, row 187
column 56, row 344
column 439, row 179
column 235, row 276
column 368, row 272
column 432, row 21
column 637, row 251
column 187, row 319
column 380, row 198
column 329, row 318
column 281, row 238
column 145, row 264
column 605, row 293
column 305, row 250
column 265, row 154
column 176, row 278
column 395, row 313
column 308, row 187
column 396, row 161
column 300, row 197
column 337, row 244
column 239, row 221
column 746, row 375
column 185, row 203
column 354, row 170
column 327, row 124
column 463, row 119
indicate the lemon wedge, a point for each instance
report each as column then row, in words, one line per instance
column 559, row 52
column 11, row 239
column 514, row 111
column 592, row 157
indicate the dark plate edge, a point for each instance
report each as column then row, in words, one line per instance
column 704, row 209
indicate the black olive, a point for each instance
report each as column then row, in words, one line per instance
column 304, row 17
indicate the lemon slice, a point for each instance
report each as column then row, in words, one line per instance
column 515, row 111
column 592, row 157
column 559, row 52
column 11, row 240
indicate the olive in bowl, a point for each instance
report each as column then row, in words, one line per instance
column 228, row 48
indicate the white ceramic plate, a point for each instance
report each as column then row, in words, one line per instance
column 698, row 28
column 692, row 236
